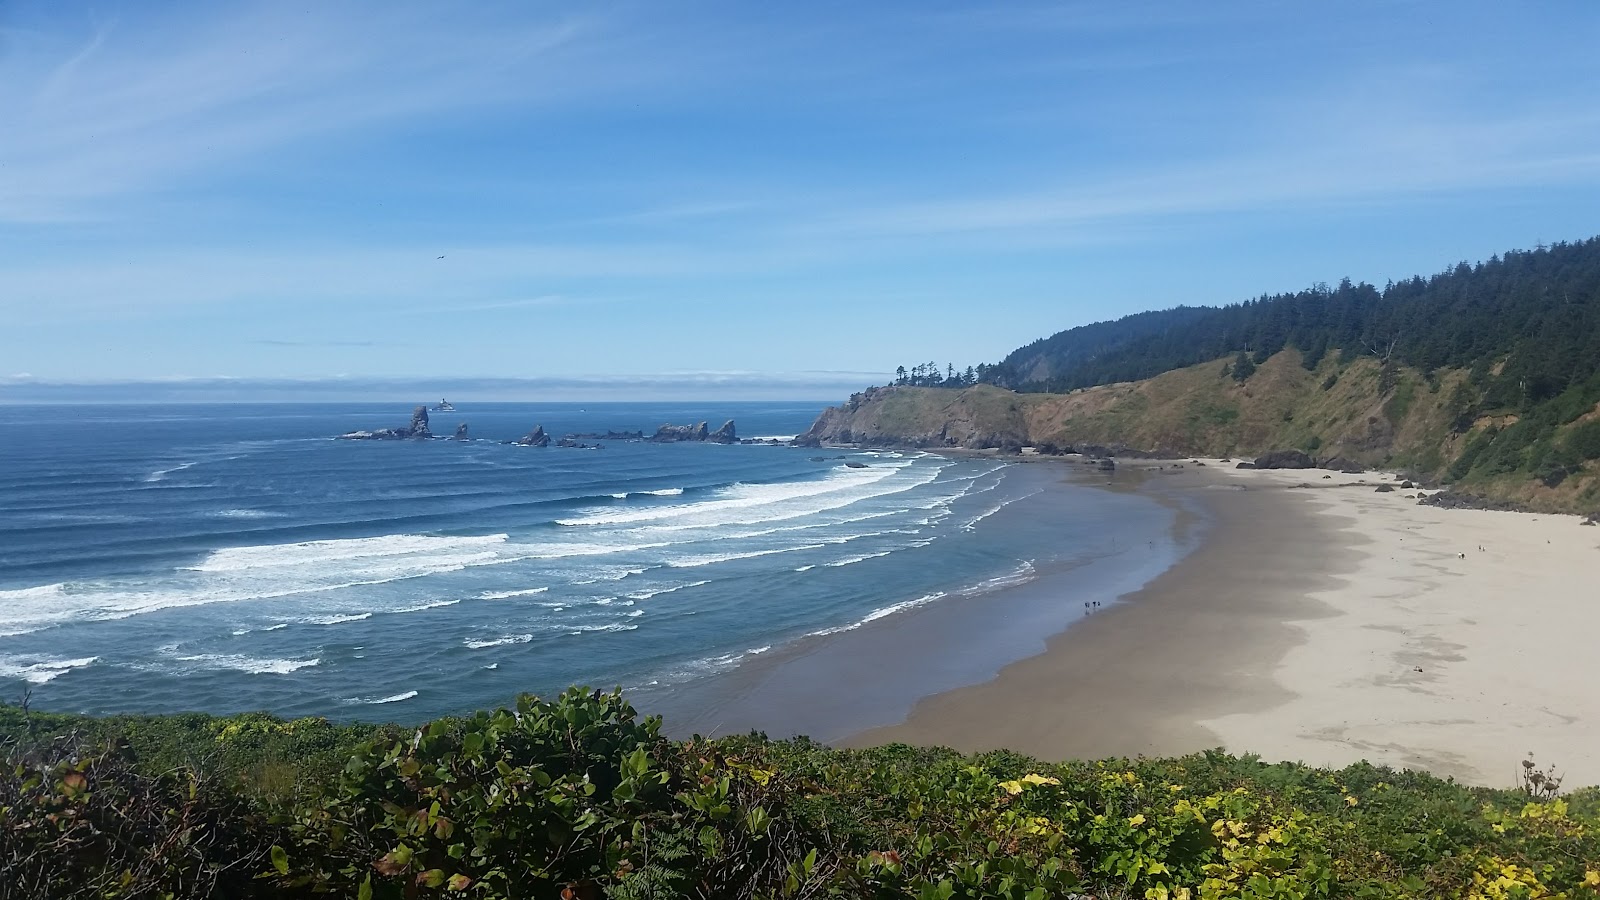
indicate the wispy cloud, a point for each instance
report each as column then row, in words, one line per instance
column 146, row 102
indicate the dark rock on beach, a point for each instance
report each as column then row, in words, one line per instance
column 1384, row 489
column 1340, row 464
column 1285, row 459
column 1457, row 500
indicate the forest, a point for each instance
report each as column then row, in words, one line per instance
column 1523, row 325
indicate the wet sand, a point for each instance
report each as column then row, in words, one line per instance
column 1199, row 642
column 831, row 687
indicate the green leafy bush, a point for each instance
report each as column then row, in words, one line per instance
column 579, row 797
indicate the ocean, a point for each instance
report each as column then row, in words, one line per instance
column 230, row 558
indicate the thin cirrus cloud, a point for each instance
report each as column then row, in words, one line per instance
column 191, row 186
column 103, row 108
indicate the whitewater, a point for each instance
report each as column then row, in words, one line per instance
column 226, row 558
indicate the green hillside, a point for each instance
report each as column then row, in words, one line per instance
column 581, row 798
column 1485, row 377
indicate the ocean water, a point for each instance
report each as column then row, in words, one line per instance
column 227, row 558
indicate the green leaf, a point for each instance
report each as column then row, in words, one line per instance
column 365, row 891
column 280, row 860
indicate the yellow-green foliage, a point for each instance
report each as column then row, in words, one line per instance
column 581, row 798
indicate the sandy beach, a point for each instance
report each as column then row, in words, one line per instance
column 1319, row 621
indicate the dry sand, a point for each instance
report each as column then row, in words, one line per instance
column 1298, row 629
column 1463, row 640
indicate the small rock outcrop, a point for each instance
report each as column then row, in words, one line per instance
column 417, row 429
column 697, row 433
column 1340, row 464
column 672, row 434
column 607, row 436
column 1456, row 500
column 1384, row 489
column 534, row 438
column 572, row 443
column 461, row 433
column 1285, row 459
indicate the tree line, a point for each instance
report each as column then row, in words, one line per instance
column 930, row 375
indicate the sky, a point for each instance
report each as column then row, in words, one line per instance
column 582, row 200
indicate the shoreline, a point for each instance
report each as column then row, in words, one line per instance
column 831, row 685
column 1140, row 676
column 1320, row 621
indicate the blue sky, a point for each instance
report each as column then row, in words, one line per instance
column 742, row 199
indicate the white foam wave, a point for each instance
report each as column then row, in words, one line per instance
column 430, row 548
column 249, row 664
column 1023, row 573
column 506, row 595
column 972, row 523
column 664, row 492
column 40, row 669
column 265, row 572
column 589, row 629
column 711, row 559
column 419, row 608
column 336, row 620
column 772, row 437
column 161, row 474
column 499, row 641
column 840, row 487
column 805, row 568
column 246, row 514
column 394, row 699
column 852, row 560
column 646, row 595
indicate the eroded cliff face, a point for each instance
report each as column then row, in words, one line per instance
column 1355, row 411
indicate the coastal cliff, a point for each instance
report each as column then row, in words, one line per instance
column 1359, row 410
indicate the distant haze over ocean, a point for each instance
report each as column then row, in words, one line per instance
column 822, row 386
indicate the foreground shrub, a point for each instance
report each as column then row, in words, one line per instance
column 579, row 797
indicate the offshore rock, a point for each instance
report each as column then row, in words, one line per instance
column 534, row 438
column 461, row 433
column 417, row 429
column 723, row 435
column 419, row 423
column 673, row 434
column 607, row 436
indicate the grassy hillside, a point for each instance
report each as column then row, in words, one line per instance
column 1361, row 409
column 580, row 798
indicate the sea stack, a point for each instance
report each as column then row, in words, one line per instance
column 534, row 438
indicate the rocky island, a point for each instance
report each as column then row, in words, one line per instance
column 417, row 430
